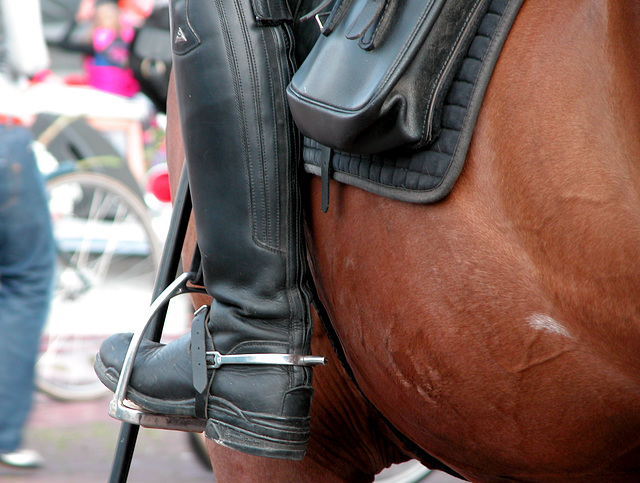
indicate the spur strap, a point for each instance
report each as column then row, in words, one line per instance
column 198, row 360
column 203, row 360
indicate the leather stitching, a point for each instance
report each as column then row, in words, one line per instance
column 432, row 95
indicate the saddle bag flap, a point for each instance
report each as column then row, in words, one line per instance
column 357, row 97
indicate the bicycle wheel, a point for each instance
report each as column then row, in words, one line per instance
column 108, row 254
column 72, row 139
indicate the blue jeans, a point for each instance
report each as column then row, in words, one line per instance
column 27, row 265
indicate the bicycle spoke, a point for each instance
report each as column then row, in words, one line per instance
column 107, row 250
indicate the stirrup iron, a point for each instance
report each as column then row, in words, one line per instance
column 124, row 410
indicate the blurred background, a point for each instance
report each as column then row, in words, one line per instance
column 102, row 152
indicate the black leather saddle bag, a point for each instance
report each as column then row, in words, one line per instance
column 360, row 96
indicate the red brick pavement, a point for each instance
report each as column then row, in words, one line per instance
column 78, row 440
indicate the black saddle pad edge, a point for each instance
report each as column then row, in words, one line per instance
column 445, row 185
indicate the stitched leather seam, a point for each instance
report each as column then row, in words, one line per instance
column 494, row 38
column 427, row 123
column 391, row 71
column 233, row 66
column 195, row 34
column 272, row 219
column 255, row 93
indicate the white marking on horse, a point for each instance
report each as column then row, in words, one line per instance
column 544, row 322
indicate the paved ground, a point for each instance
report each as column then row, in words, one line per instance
column 78, row 440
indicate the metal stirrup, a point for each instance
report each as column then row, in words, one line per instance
column 118, row 409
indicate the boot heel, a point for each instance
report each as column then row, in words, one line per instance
column 261, row 438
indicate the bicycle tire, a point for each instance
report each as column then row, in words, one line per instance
column 108, row 251
column 72, row 139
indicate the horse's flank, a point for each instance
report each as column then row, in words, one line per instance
column 505, row 321
column 499, row 330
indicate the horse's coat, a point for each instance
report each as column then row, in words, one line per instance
column 499, row 330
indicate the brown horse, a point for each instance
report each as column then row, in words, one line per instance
column 498, row 330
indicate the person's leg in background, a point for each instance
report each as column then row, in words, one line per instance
column 27, row 261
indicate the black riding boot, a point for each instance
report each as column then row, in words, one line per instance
column 232, row 62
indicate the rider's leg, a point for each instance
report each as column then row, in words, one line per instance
column 241, row 151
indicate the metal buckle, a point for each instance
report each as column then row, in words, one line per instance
column 320, row 17
column 122, row 409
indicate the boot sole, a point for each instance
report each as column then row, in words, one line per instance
column 257, row 434
column 251, row 433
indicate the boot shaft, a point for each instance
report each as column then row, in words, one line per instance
column 242, row 154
